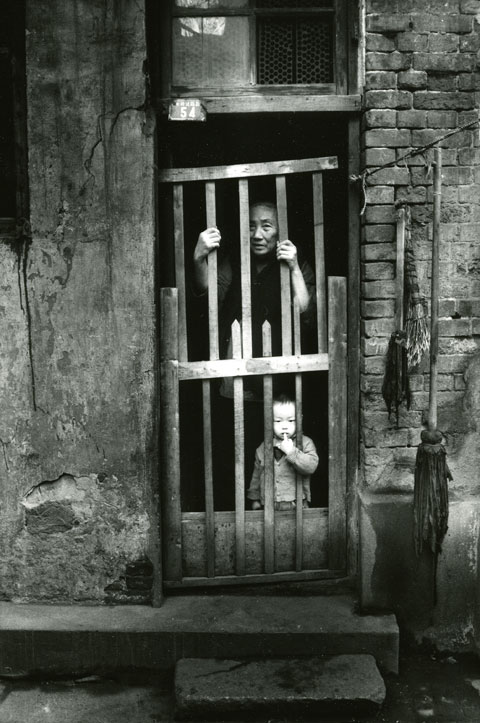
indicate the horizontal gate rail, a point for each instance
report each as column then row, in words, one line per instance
column 247, row 170
column 218, row 368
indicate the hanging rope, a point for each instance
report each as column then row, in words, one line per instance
column 396, row 387
column 363, row 177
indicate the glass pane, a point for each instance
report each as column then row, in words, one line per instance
column 210, row 52
column 211, row 4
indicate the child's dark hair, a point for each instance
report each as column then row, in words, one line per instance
column 283, row 398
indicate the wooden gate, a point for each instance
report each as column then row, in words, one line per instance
column 243, row 546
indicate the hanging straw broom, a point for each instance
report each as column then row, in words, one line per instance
column 431, row 469
column 417, row 333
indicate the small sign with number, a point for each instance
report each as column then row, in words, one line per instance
column 186, row 109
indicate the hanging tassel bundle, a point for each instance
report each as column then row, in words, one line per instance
column 417, row 333
column 431, row 469
column 395, row 387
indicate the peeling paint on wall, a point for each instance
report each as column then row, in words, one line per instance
column 78, row 465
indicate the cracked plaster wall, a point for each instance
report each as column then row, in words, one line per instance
column 79, row 407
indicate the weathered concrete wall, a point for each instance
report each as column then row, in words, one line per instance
column 78, row 468
column 422, row 82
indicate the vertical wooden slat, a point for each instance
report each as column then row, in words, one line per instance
column 269, row 508
column 169, row 398
column 354, row 12
column 239, row 430
column 245, row 268
column 284, row 270
column 353, row 320
column 208, row 472
column 337, row 421
column 298, row 441
column 252, row 27
column 342, row 49
column 178, row 231
column 399, row 292
column 400, row 270
column 214, row 354
column 321, row 290
column 437, row 196
column 212, row 273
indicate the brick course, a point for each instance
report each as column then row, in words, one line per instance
column 412, row 42
column 444, row 62
column 389, row 99
column 412, row 80
column 439, row 100
column 411, row 118
column 380, row 80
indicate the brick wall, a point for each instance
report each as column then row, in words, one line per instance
column 422, row 72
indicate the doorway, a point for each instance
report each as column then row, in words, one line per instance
column 225, row 141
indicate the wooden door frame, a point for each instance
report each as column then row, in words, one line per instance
column 353, row 346
column 353, row 371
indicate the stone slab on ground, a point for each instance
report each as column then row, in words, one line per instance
column 61, row 639
column 101, row 702
column 336, row 685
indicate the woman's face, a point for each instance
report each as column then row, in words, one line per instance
column 263, row 230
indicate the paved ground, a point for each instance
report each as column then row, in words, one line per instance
column 431, row 689
column 434, row 688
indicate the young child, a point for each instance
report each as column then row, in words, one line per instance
column 289, row 460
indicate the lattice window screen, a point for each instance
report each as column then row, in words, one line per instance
column 294, row 50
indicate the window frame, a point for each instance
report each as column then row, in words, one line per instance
column 344, row 61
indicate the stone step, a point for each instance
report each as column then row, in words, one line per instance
column 60, row 639
column 339, row 686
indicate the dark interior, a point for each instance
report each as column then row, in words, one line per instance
column 225, row 140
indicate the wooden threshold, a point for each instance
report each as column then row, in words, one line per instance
column 278, row 103
column 303, row 576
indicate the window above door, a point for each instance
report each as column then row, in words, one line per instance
column 257, row 49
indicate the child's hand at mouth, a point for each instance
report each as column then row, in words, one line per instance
column 286, row 445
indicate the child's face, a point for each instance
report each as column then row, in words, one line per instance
column 284, row 420
column 263, row 230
